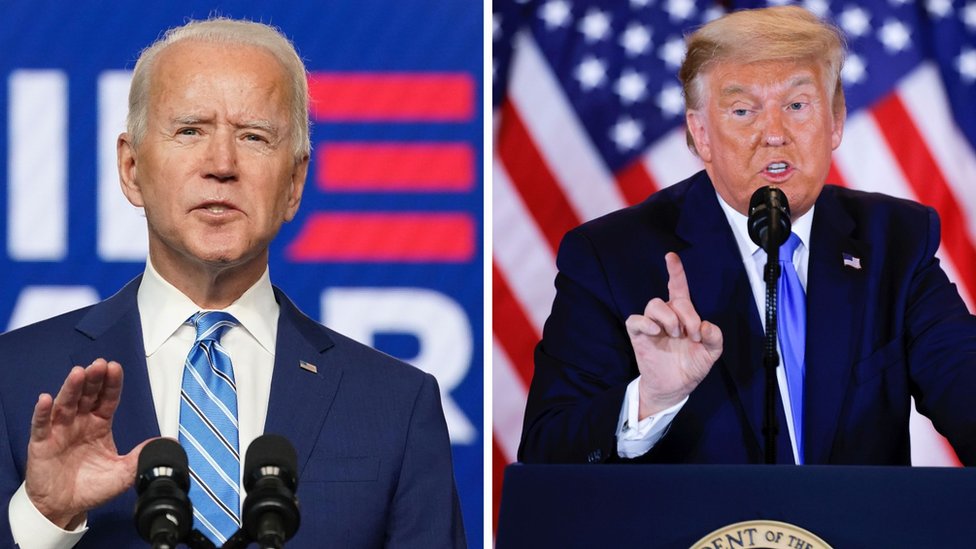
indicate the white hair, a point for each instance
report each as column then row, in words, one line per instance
column 222, row 30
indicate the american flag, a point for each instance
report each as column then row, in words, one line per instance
column 589, row 118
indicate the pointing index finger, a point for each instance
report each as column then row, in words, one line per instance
column 677, row 281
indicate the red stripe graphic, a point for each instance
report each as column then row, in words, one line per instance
column 426, row 167
column 397, row 97
column 926, row 179
column 532, row 178
column 375, row 237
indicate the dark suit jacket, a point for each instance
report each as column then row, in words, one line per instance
column 374, row 456
column 876, row 336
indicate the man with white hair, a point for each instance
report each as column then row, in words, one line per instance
column 216, row 153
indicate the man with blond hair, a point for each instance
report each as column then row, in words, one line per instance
column 216, row 153
column 654, row 348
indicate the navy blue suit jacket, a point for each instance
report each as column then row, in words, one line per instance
column 876, row 336
column 374, row 456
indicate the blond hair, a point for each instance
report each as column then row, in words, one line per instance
column 222, row 30
column 782, row 33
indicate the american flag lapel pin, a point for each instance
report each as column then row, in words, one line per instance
column 852, row 262
column 308, row 367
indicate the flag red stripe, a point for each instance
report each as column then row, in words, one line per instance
column 395, row 167
column 397, row 97
column 405, row 237
column 511, row 327
column 928, row 183
column 835, row 178
column 635, row 182
column 532, row 178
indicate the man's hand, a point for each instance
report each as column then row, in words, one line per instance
column 675, row 349
column 72, row 463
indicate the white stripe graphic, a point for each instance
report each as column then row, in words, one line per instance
column 122, row 233
column 37, row 188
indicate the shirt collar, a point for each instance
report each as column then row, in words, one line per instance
column 163, row 309
column 740, row 227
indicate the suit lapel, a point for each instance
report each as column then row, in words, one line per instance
column 115, row 333
column 300, row 398
column 722, row 295
column 835, row 299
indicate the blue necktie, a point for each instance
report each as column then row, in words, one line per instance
column 792, row 328
column 208, row 429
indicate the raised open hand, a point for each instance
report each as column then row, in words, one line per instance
column 72, row 463
column 674, row 347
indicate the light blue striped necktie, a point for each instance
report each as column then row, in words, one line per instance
column 208, row 429
column 792, row 328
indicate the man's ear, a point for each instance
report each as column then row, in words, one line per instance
column 837, row 132
column 128, row 169
column 696, row 126
column 296, row 188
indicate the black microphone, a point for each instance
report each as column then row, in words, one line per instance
column 271, row 515
column 769, row 227
column 769, row 217
column 163, row 513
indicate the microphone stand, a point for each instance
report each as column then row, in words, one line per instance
column 770, row 356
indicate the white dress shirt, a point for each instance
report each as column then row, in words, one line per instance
column 635, row 437
column 167, row 338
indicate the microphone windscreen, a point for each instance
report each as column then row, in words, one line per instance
column 163, row 457
column 763, row 201
column 270, row 455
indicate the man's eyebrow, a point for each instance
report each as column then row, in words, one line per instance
column 737, row 89
column 733, row 89
column 258, row 125
column 801, row 81
column 189, row 119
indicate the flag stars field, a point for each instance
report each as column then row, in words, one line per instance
column 680, row 10
column 555, row 13
column 628, row 134
column 895, row 36
column 819, row 7
column 966, row 63
column 591, row 73
column 631, row 87
column 636, row 40
column 595, row 26
column 939, row 8
column 673, row 52
column 854, row 71
column 855, row 21
column 969, row 16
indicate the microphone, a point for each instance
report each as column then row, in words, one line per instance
column 769, row 218
column 271, row 515
column 163, row 513
column 769, row 227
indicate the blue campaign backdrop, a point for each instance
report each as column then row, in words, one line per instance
column 69, row 237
